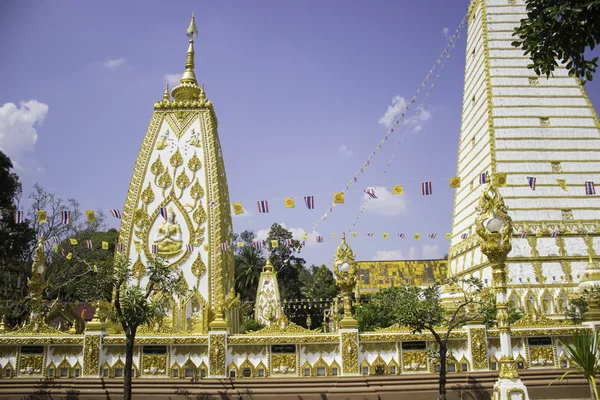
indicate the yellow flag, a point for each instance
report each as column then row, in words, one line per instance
column 354, row 234
column 90, row 216
column 104, row 245
column 289, row 202
column 274, row 244
column 42, row 217
column 334, row 234
column 562, row 183
column 397, row 189
column 237, row 208
column 241, row 244
column 73, row 241
column 385, row 235
column 501, row 179
column 417, row 236
column 69, row 256
column 455, row 182
column 338, row 198
column 448, row 235
column 304, row 236
column 56, row 248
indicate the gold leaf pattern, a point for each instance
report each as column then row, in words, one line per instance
column 199, row 215
column 176, row 159
column 196, row 192
column 157, row 167
column 198, row 267
column 138, row 269
column 182, row 180
column 194, row 164
column 147, row 195
column 165, row 180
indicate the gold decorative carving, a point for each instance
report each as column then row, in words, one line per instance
column 7, row 351
column 350, row 352
column 493, row 343
column 508, row 368
column 66, row 350
column 282, row 339
column 567, row 214
column 414, row 361
column 248, row 349
column 176, row 160
column 537, row 320
column 170, row 339
column 378, row 347
column 164, row 181
column 276, row 330
column 156, row 169
column 198, row 267
column 182, row 181
column 147, row 197
column 194, row 163
column 320, row 348
column 154, row 364
column 138, row 269
column 190, row 350
column 284, row 364
column 91, row 355
column 31, row 364
column 479, row 349
column 541, row 356
column 217, row 354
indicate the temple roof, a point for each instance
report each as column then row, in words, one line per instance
column 375, row 275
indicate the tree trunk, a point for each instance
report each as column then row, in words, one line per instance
column 442, row 386
column 130, row 335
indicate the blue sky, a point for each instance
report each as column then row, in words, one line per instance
column 300, row 89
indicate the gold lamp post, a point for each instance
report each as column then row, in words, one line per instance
column 346, row 269
column 494, row 229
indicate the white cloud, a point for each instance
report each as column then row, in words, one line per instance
column 412, row 253
column 115, row 63
column 173, row 79
column 395, row 110
column 446, row 33
column 297, row 234
column 17, row 127
column 386, row 203
column 384, row 255
column 345, row 150
column 431, row 251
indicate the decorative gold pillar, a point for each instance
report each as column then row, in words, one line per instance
column 346, row 269
column 591, row 279
column 494, row 228
column 217, row 350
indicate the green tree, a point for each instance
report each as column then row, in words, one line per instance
column 285, row 263
column 378, row 310
column 16, row 248
column 249, row 263
column 422, row 309
column 563, row 30
column 318, row 286
column 489, row 316
column 584, row 356
column 134, row 306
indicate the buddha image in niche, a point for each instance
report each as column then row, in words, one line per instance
column 169, row 237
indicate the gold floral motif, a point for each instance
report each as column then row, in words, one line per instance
column 320, row 348
column 350, row 352
column 31, row 364
column 165, row 181
column 176, row 160
column 138, row 269
column 276, row 330
column 199, row 215
column 91, row 355
column 171, row 339
column 494, row 342
column 282, row 339
column 541, row 356
column 194, row 163
column 198, row 267
column 284, row 364
column 248, row 349
column 154, row 364
column 566, row 269
column 66, row 350
column 217, row 354
column 414, row 361
column 157, row 167
column 479, row 349
column 508, row 368
column 182, row 181
column 147, row 197
column 196, row 191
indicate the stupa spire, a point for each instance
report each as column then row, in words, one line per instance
column 188, row 87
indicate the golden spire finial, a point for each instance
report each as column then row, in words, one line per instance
column 188, row 88
column 167, row 96
column 268, row 267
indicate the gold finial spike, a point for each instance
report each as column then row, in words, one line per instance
column 343, row 235
column 167, row 96
column 192, row 31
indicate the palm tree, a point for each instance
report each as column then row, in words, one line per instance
column 249, row 264
column 584, row 357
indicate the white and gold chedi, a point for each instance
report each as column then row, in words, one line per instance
column 517, row 125
column 180, row 169
column 267, row 308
